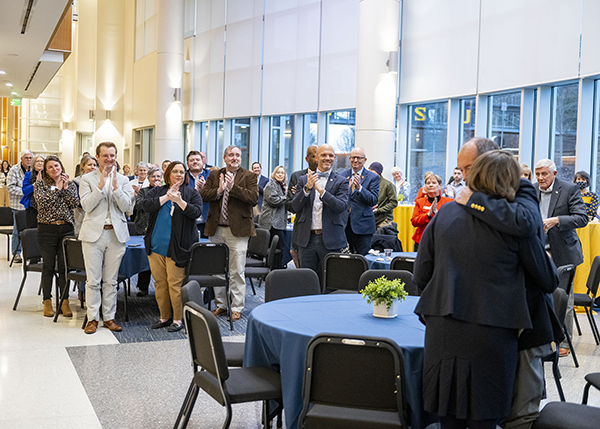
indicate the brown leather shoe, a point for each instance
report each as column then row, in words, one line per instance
column 236, row 315
column 48, row 310
column 112, row 325
column 65, row 309
column 91, row 327
column 218, row 311
column 562, row 352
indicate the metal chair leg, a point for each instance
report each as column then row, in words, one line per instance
column 568, row 337
column 64, row 296
column 187, row 407
column 576, row 322
column 252, row 285
column 20, row 290
column 586, row 392
column 557, row 376
column 588, row 313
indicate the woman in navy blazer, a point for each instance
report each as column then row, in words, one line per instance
column 474, row 304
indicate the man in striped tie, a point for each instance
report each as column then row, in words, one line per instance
column 231, row 191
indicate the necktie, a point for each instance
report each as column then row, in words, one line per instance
column 225, row 201
column 353, row 185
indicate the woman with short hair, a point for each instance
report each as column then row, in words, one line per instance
column 427, row 206
column 273, row 216
column 474, row 303
column 56, row 198
column 173, row 210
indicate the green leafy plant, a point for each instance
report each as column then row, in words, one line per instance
column 383, row 291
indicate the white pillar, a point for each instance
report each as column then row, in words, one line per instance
column 168, row 141
column 378, row 35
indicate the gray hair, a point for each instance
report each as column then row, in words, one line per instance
column 141, row 164
column 542, row 163
column 396, row 170
column 26, row 152
column 229, row 149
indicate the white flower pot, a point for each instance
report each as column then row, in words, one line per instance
column 382, row 311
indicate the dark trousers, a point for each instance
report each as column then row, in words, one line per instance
column 314, row 252
column 144, row 280
column 50, row 242
column 358, row 243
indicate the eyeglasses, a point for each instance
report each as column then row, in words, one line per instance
column 357, row 158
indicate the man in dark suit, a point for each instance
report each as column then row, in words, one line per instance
column 520, row 218
column 563, row 211
column 363, row 187
column 232, row 192
column 311, row 159
column 262, row 182
column 197, row 174
column 321, row 204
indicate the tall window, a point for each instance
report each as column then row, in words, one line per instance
column 564, row 129
column 340, row 135
column 241, row 138
column 467, row 120
column 282, row 143
column 219, row 147
column 427, row 133
column 506, row 121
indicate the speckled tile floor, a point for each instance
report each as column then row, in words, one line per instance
column 54, row 376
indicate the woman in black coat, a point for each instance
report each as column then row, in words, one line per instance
column 172, row 230
column 473, row 302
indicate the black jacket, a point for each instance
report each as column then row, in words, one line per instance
column 184, row 232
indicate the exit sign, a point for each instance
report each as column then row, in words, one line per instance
column 15, row 101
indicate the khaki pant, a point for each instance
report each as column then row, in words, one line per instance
column 4, row 201
column 168, row 279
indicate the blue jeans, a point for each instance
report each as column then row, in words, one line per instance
column 15, row 243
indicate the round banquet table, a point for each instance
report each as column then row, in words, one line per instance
column 380, row 262
column 279, row 331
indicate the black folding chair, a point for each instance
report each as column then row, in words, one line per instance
column 566, row 277
column 586, row 300
column 405, row 276
column 592, row 379
column 371, row 371
column 32, row 256
column 281, row 284
column 261, row 273
column 74, row 269
column 234, row 351
column 406, row 263
column 566, row 415
column 341, row 272
column 227, row 386
column 560, row 309
column 21, row 221
column 6, row 227
column 209, row 266
column 258, row 248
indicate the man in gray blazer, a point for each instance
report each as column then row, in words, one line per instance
column 563, row 210
column 105, row 197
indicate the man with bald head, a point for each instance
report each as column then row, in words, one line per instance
column 363, row 188
column 321, row 206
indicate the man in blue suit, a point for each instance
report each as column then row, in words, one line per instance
column 321, row 206
column 198, row 173
column 363, row 187
column 262, row 182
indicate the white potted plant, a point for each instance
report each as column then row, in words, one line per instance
column 385, row 295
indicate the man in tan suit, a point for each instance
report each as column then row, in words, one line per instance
column 231, row 191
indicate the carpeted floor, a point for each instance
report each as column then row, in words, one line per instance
column 143, row 312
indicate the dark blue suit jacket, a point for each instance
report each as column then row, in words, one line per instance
column 262, row 182
column 192, row 184
column 522, row 218
column 362, row 218
column 335, row 212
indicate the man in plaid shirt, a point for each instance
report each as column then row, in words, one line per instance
column 14, row 183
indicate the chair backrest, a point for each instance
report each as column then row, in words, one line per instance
column 343, row 271
column 594, row 277
column 6, row 216
column 208, row 259
column 383, row 241
column 31, row 248
column 370, row 369
column 21, row 220
column 205, row 342
column 73, row 254
column 191, row 291
column 566, row 277
column 259, row 244
column 560, row 304
column 272, row 252
column 406, row 263
column 405, row 276
column 281, row 284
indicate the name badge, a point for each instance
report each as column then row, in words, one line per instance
column 53, row 188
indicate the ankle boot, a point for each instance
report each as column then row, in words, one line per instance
column 48, row 310
column 66, row 310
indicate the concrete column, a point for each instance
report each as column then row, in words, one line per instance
column 168, row 141
column 376, row 95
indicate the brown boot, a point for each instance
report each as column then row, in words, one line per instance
column 66, row 310
column 48, row 310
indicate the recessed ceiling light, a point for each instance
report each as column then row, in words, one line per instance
column 2, row 72
column 9, row 84
column 14, row 93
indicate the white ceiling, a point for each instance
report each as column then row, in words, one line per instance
column 20, row 53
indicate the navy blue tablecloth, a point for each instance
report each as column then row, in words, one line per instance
column 385, row 263
column 135, row 259
column 279, row 331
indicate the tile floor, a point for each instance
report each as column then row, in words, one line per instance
column 55, row 376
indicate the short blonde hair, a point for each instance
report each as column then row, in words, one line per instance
column 275, row 171
column 526, row 170
column 431, row 174
column 495, row 173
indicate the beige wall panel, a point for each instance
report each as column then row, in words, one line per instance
column 144, row 92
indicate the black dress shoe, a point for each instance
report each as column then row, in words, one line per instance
column 142, row 293
column 160, row 324
column 175, row 327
